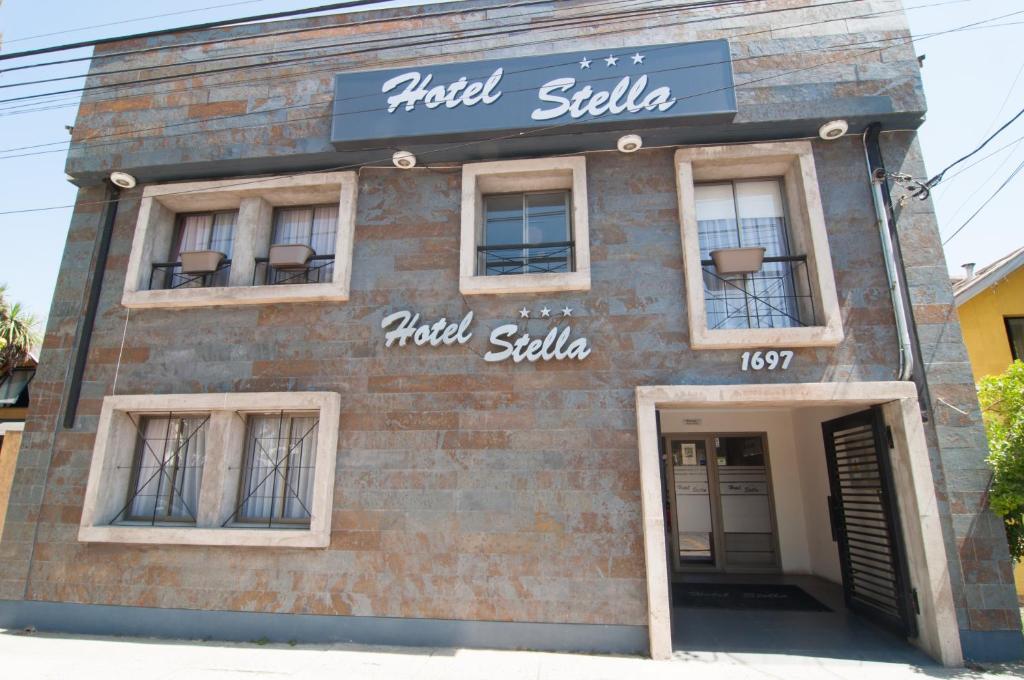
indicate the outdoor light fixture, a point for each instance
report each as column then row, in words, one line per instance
column 834, row 129
column 404, row 160
column 629, row 143
column 122, row 180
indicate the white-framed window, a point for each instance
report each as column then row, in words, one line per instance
column 248, row 469
column 755, row 249
column 229, row 242
column 525, row 226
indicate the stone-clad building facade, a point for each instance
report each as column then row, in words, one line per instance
column 447, row 497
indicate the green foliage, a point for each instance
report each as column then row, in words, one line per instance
column 1002, row 402
column 17, row 334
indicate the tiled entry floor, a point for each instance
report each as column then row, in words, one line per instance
column 838, row 634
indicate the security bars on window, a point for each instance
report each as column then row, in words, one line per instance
column 213, row 231
column 167, row 470
column 276, row 484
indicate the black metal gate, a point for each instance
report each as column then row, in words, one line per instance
column 865, row 521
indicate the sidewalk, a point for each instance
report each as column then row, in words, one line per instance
column 62, row 657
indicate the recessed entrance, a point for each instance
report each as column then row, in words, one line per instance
column 774, row 522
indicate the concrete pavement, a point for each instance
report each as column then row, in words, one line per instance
column 60, row 657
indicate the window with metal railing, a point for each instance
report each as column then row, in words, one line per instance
column 167, row 469
column 200, row 254
column 526, row 233
column 276, row 487
column 302, row 246
column 752, row 279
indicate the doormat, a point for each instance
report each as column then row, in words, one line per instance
column 745, row 596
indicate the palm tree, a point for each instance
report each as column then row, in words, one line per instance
column 17, row 334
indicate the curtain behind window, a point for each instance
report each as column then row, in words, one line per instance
column 178, row 446
column 277, row 476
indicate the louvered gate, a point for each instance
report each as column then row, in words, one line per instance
column 865, row 521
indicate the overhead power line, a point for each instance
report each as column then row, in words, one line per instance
column 518, row 134
column 938, row 177
column 8, row 41
column 91, row 143
column 193, row 27
column 977, row 212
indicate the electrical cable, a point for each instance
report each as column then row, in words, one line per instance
column 563, row 22
column 88, row 141
column 513, row 135
column 995, row 193
column 8, row 41
column 938, row 177
column 193, row 27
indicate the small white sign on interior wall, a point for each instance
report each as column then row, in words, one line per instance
column 508, row 341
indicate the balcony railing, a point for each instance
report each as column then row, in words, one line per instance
column 168, row 275
column 777, row 296
column 526, row 258
column 319, row 269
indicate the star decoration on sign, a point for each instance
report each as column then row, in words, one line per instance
column 611, row 60
column 566, row 311
column 584, row 63
column 545, row 313
column 524, row 313
column 638, row 58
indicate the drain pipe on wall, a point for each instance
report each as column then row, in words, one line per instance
column 99, row 268
column 910, row 351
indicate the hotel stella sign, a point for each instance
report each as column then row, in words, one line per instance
column 508, row 341
column 617, row 88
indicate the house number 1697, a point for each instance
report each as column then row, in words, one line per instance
column 758, row 361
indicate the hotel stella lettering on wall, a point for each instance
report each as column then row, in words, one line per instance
column 634, row 87
column 509, row 341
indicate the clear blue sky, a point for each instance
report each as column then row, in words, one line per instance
column 967, row 77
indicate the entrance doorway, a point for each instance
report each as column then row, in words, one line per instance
column 738, row 490
column 720, row 512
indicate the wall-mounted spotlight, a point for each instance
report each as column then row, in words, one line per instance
column 122, row 180
column 629, row 143
column 834, row 129
column 404, row 160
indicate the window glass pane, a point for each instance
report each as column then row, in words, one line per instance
column 716, row 217
column 292, row 226
column 222, row 238
column 325, row 228
column 168, row 468
column 546, row 217
column 762, row 218
column 503, row 220
column 277, row 476
column 195, row 233
column 1015, row 329
column 12, row 385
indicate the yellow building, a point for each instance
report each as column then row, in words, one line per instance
column 990, row 303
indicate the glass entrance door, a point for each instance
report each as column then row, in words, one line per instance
column 722, row 511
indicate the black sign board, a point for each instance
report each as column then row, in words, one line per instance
column 598, row 89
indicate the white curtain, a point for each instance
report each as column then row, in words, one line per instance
column 315, row 227
column 178, row 445
column 277, row 479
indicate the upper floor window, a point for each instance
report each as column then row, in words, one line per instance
column 200, row 252
column 301, row 247
column 527, row 233
column 757, row 264
column 750, row 273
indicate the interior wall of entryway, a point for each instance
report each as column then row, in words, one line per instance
column 799, row 476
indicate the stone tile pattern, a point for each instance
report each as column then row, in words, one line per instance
column 468, row 490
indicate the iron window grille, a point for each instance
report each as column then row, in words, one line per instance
column 276, row 484
column 527, row 233
column 315, row 226
column 197, row 231
column 779, row 294
column 167, row 470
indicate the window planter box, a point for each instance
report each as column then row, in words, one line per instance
column 738, row 260
column 201, row 261
column 290, row 256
